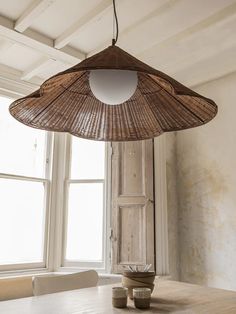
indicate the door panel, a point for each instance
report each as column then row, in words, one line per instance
column 131, row 165
column 130, row 234
column 132, row 204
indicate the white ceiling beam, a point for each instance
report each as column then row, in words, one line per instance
column 77, row 27
column 31, row 13
column 217, row 19
column 182, row 58
column 11, row 84
column 36, row 68
column 154, row 14
column 210, row 69
column 39, row 42
column 5, row 45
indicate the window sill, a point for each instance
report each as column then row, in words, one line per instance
column 24, row 273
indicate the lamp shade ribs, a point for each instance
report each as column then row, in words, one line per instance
column 65, row 103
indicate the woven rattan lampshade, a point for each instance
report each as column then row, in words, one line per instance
column 65, row 103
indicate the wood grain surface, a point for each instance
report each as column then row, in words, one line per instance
column 168, row 297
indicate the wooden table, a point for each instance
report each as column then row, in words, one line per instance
column 168, row 297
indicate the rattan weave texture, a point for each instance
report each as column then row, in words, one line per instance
column 65, row 103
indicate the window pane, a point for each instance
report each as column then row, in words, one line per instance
column 85, row 222
column 21, row 221
column 22, row 147
column 88, row 159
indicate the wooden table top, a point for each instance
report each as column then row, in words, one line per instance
column 168, row 297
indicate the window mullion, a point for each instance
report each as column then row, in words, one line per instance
column 107, row 208
column 58, row 199
column 86, row 181
column 66, row 181
column 47, row 195
column 23, row 178
column 48, row 155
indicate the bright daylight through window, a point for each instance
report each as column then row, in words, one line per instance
column 23, row 189
column 86, row 191
column 26, row 204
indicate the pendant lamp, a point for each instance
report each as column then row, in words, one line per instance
column 112, row 96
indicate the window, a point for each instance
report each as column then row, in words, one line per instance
column 55, row 217
column 24, row 192
column 85, row 228
column 52, row 214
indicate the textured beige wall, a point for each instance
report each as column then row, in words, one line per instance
column 206, row 165
column 172, row 205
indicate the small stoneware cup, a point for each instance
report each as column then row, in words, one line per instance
column 142, row 297
column 119, row 297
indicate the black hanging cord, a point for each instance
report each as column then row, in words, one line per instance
column 114, row 40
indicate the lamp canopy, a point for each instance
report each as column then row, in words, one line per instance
column 66, row 103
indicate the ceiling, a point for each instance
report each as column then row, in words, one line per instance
column 193, row 41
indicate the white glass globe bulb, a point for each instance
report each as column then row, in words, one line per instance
column 113, row 87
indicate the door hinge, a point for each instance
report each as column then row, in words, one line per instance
column 111, row 234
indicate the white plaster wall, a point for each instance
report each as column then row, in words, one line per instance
column 166, row 206
column 206, row 165
column 172, row 205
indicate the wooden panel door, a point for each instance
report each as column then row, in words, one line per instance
column 132, row 204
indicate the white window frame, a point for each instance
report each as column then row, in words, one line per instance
column 60, row 184
column 47, row 187
column 58, row 152
column 68, row 182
